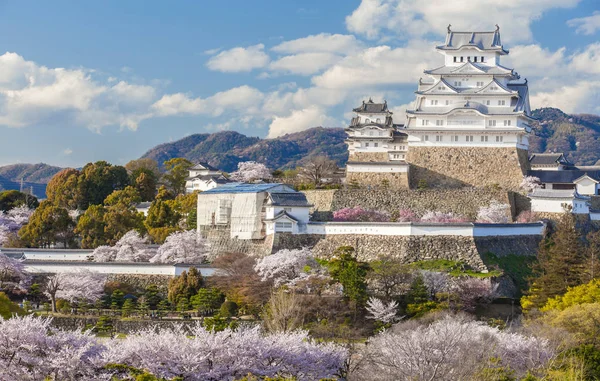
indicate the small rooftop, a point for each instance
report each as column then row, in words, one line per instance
column 547, row 159
column 288, row 199
column 567, row 176
column 479, row 40
column 203, row 165
column 372, row 107
column 552, row 193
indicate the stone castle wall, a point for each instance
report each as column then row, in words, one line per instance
column 463, row 201
column 365, row 179
column 455, row 167
column 368, row 156
column 221, row 242
column 414, row 248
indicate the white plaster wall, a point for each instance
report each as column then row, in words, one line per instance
column 112, row 268
column 51, row 255
column 586, row 187
column 555, row 205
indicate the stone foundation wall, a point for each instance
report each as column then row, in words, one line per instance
column 221, row 242
column 365, row 179
column 414, row 248
column 368, row 156
column 457, row 167
column 464, row 201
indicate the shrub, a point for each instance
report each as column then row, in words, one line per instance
column 359, row 214
column 228, row 309
column 406, row 215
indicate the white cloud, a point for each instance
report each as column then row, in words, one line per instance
column 533, row 60
column 588, row 60
column 380, row 66
column 580, row 97
column 304, row 63
column 67, row 151
column 409, row 18
column 324, row 42
column 299, row 120
column 239, row 59
column 586, row 25
column 30, row 93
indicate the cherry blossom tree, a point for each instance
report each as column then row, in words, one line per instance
column 495, row 213
column 380, row 311
column 12, row 221
column 530, row 183
column 78, row 286
column 527, row 216
column 436, row 282
column 288, row 267
column 359, row 214
column 441, row 217
column 452, row 348
column 203, row 355
column 183, row 247
column 132, row 247
column 406, row 215
column 12, row 274
column 473, row 291
column 249, row 171
column 32, row 350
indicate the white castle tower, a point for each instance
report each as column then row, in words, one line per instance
column 470, row 121
column 376, row 149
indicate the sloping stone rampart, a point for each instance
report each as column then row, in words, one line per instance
column 457, row 167
column 464, row 201
column 414, row 248
column 364, row 179
column 221, row 242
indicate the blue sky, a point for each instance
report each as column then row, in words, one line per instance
column 85, row 81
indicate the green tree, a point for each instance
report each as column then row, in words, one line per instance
column 12, row 198
column 183, row 304
column 177, row 171
column 63, row 189
column 143, row 305
column 121, row 215
column 145, row 164
column 128, row 307
column 162, row 219
column 561, row 264
column 117, row 299
column 145, row 183
column 48, row 225
column 207, row 300
column 98, row 180
column 228, row 309
column 185, row 285
column 91, row 227
column 350, row 273
column 152, row 296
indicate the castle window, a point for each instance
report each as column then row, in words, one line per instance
column 469, row 59
column 370, row 133
column 380, row 133
column 501, row 102
column 487, row 103
column 439, row 122
column 283, row 225
column 462, row 59
column 378, row 120
column 447, row 102
column 434, row 102
column 493, row 88
column 507, row 122
column 375, row 144
column 479, row 84
column 454, row 138
column 426, row 138
column 425, row 122
column 484, row 139
column 454, row 58
column 438, row 138
column 475, row 58
column 441, row 88
column 367, row 120
column 366, row 145
column 499, row 139
column 457, row 83
column 492, row 123
column 482, row 59
column 469, row 138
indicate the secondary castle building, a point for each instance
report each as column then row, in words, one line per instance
column 377, row 148
column 469, row 124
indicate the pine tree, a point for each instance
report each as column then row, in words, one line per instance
column 561, row 264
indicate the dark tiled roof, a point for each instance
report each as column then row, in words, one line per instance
column 246, row 188
column 281, row 214
column 563, row 177
column 288, row 199
column 217, row 179
column 373, row 107
column 203, row 165
column 480, row 40
column 547, row 158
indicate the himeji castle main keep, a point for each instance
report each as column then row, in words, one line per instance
column 468, row 126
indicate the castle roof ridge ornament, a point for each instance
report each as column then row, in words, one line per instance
column 497, row 28
column 449, row 30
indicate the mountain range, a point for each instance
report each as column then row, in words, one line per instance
column 578, row 136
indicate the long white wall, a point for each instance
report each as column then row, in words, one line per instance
column 48, row 254
column 52, row 267
column 422, row 229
